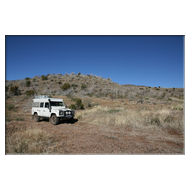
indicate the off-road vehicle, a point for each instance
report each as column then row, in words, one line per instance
column 52, row 108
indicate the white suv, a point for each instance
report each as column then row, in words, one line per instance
column 52, row 108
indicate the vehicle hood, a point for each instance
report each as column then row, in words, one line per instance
column 59, row 108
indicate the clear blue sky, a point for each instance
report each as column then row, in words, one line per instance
column 139, row 60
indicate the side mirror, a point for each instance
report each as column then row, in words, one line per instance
column 65, row 106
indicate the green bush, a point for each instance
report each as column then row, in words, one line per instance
column 78, row 104
column 72, row 106
column 28, row 83
column 30, row 92
column 113, row 111
column 83, row 86
column 65, row 86
column 74, row 85
column 15, row 90
column 10, row 106
column 44, row 77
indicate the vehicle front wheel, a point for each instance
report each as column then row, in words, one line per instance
column 36, row 118
column 54, row 120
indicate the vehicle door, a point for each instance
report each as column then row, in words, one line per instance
column 41, row 108
column 46, row 109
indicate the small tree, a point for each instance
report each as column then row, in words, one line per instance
column 15, row 90
column 83, row 86
column 65, row 86
column 78, row 104
column 30, row 92
column 28, row 83
column 44, row 77
column 109, row 79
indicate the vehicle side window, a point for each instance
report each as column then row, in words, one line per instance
column 46, row 105
column 41, row 104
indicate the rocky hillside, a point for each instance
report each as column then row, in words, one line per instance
column 87, row 86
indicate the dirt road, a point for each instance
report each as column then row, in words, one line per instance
column 84, row 138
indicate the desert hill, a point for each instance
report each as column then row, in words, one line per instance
column 88, row 86
column 115, row 119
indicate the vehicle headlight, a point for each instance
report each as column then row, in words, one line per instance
column 60, row 112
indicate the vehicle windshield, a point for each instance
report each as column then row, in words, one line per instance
column 56, row 103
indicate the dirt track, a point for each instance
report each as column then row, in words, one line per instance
column 84, row 138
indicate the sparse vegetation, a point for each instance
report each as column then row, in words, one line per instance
column 83, row 86
column 44, row 77
column 30, row 92
column 65, row 86
column 28, row 83
column 106, row 110
column 15, row 90
column 10, row 106
column 27, row 141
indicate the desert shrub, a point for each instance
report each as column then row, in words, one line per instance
column 78, row 103
column 83, row 86
column 155, row 120
column 72, row 106
column 15, row 90
column 109, row 79
column 44, row 77
column 169, row 99
column 168, row 119
column 27, row 78
column 59, row 82
column 113, row 111
column 10, row 106
column 163, row 95
column 28, row 83
column 65, row 86
column 74, row 85
column 30, row 92
column 87, row 103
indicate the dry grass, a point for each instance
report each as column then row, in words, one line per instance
column 143, row 119
column 26, row 141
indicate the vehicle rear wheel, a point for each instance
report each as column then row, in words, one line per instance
column 36, row 118
column 54, row 120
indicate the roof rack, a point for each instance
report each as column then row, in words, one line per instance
column 42, row 96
